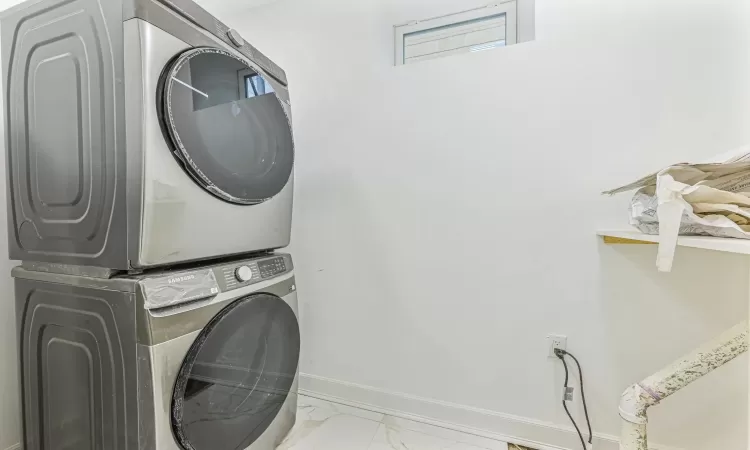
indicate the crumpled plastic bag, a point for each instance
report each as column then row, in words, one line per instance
column 706, row 199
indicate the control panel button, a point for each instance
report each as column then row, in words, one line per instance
column 236, row 38
column 271, row 267
column 243, row 274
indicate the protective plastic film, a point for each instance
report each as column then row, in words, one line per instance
column 178, row 288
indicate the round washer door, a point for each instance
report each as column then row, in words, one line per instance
column 237, row 375
column 226, row 126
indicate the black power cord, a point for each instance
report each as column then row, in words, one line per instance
column 562, row 354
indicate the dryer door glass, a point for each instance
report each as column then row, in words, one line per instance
column 237, row 375
column 226, row 126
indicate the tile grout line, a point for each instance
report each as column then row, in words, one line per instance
column 421, row 432
column 384, row 417
column 453, row 441
column 372, row 439
column 503, row 427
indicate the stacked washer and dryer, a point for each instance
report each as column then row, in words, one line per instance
column 150, row 179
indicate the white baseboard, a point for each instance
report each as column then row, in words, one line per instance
column 504, row 427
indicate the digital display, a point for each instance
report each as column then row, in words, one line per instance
column 271, row 267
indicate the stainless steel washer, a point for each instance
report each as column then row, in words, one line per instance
column 199, row 359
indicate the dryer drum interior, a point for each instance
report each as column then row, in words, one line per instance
column 225, row 125
column 237, row 375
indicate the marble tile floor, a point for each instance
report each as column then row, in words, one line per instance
column 323, row 425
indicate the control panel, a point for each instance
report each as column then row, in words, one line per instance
column 254, row 271
column 271, row 267
column 175, row 288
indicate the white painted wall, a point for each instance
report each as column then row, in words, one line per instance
column 226, row 9
column 446, row 211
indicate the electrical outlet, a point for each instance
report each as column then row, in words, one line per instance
column 568, row 394
column 555, row 341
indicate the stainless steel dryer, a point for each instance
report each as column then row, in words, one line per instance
column 141, row 133
column 200, row 359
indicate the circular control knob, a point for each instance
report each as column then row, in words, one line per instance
column 236, row 38
column 244, row 273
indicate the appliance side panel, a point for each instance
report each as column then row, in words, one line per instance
column 79, row 375
column 63, row 75
column 147, row 433
column 134, row 117
column 7, row 29
column 21, row 305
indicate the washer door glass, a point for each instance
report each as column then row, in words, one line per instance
column 237, row 375
column 226, row 126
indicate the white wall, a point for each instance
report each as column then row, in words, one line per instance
column 446, row 211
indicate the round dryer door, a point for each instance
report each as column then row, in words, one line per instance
column 237, row 375
column 226, row 126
